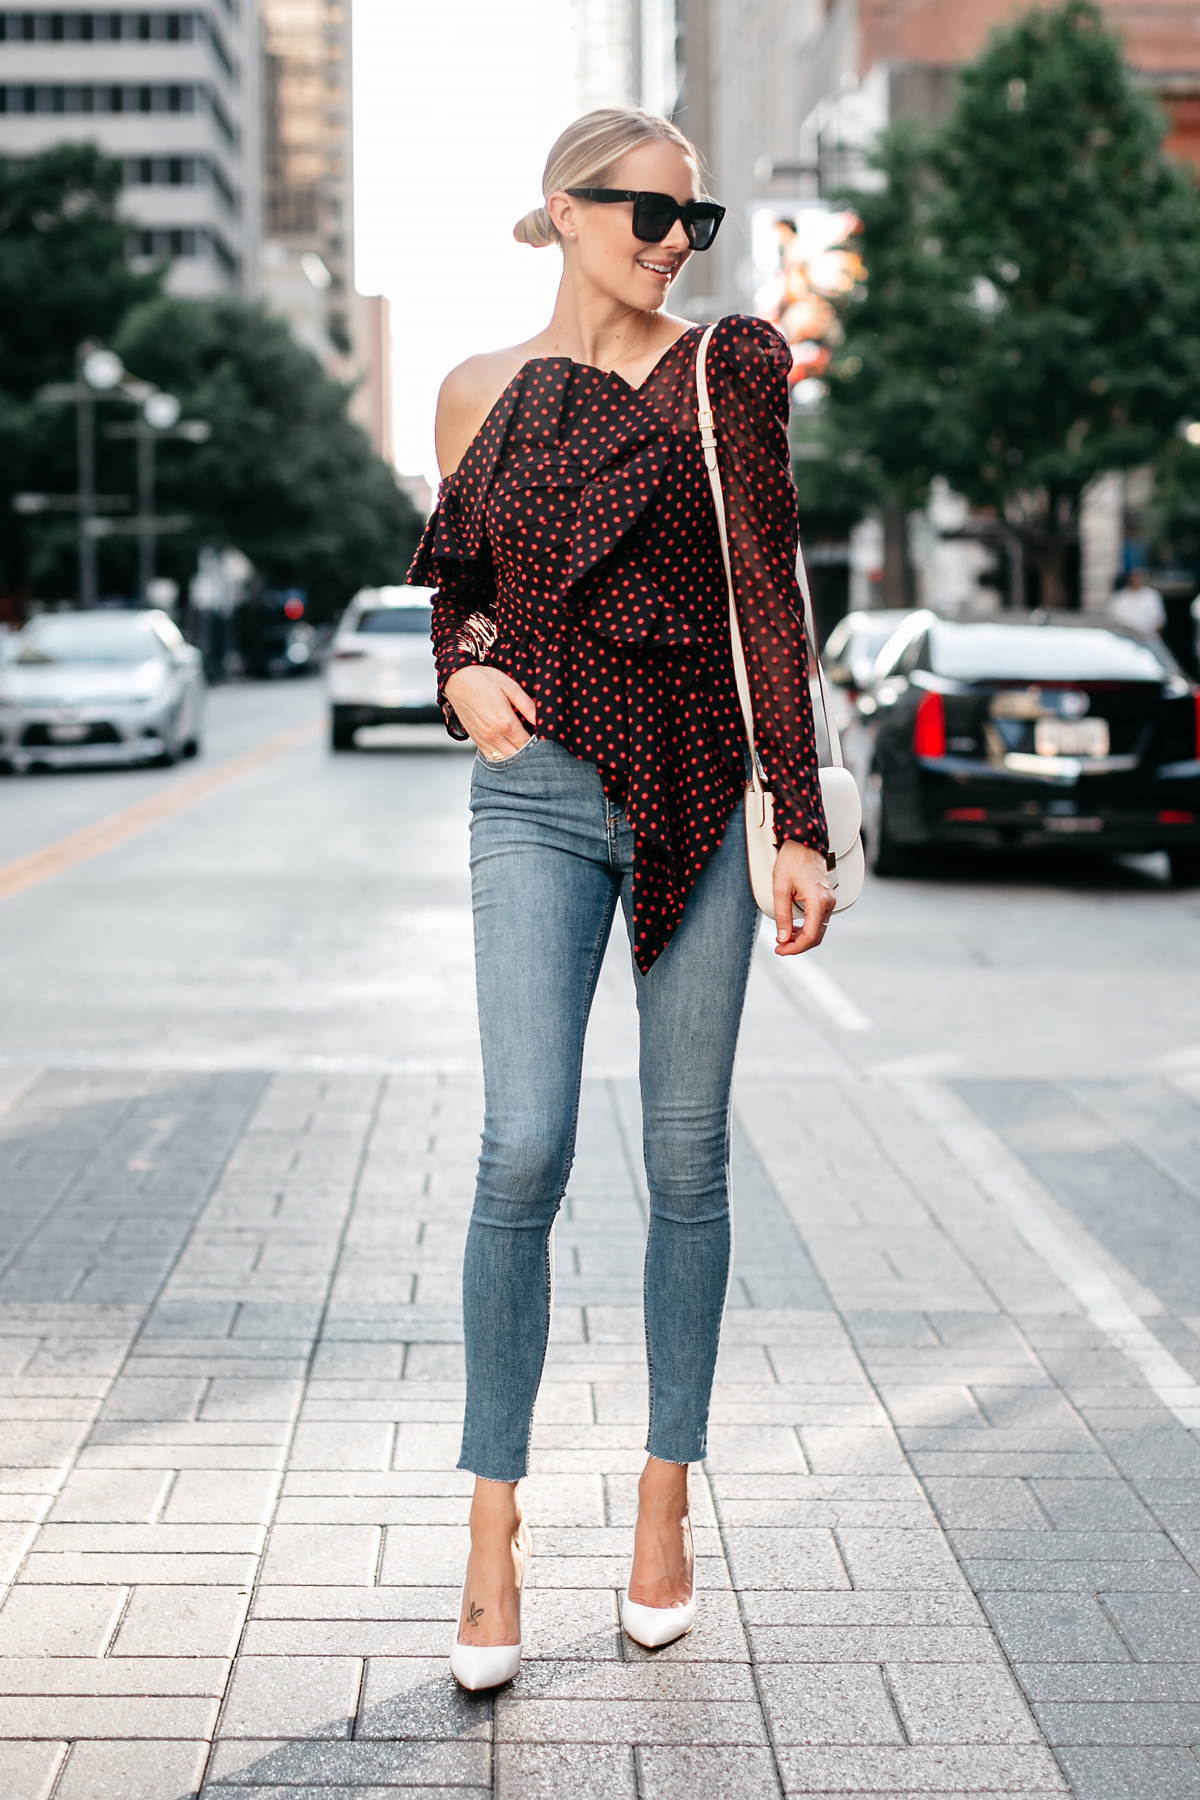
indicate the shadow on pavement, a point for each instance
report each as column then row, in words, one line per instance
column 431, row 1734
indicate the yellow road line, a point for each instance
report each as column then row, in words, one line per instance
column 93, row 840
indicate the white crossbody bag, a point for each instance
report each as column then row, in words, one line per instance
column 839, row 791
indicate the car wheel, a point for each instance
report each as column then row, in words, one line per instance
column 1185, row 868
column 341, row 735
column 191, row 747
column 884, row 856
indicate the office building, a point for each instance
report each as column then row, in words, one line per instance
column 868, row 62
column 308, row 210
column 372, row 402
column 306, row 265
column 627, row 54
column 175, row 95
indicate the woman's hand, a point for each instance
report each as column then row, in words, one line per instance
column 492, row 708
column 801, row 879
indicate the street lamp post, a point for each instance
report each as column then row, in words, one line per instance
column 156, row 417
column 96, row 371
column 160, row 412
column 100, row 374
column 85, row 444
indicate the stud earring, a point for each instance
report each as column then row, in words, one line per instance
column 572, row 234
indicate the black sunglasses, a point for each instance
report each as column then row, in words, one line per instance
column 654, row 214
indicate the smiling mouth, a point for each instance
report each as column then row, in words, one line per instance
column 657, row 268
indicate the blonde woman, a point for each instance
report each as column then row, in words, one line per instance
column 582, row 640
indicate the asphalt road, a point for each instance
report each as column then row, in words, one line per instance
column 313, row 913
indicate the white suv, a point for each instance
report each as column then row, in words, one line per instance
column 380, row 666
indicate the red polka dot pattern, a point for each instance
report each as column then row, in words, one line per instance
column 575, row 547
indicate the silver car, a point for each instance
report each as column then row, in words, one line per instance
column 99, row 687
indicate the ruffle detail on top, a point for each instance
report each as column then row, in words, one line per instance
column 623, row 458
column 569, row 502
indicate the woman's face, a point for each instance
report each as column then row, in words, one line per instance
column 604, row 249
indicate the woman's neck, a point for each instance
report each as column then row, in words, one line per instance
column 592, row 327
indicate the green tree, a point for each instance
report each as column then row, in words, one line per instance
column 286, row 476
column 63, row 278
column 1033, row 307
column 880, row 433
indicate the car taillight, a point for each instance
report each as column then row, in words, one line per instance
column 929, row 728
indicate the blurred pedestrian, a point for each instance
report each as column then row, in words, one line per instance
column 581, row 630
column 212, row 596
column 1139, row 606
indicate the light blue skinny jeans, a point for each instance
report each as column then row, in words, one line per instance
column 550, row 858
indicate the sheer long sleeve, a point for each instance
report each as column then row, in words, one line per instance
column 751, row 361
column 464, row 602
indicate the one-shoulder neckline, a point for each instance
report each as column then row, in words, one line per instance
column 613, row 374
column 587, row 368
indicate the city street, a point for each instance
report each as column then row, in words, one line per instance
column 949, row 1531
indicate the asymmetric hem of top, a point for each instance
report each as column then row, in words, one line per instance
column 575, row 548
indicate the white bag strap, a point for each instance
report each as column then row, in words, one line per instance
column 708, row 438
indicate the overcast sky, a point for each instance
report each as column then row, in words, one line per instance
column 456, row 103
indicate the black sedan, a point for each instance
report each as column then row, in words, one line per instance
column 1026, row 730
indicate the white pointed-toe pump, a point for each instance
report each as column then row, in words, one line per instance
column 654, row 1626
column 477, row 1666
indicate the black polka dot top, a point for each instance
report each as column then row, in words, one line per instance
column 575, row 547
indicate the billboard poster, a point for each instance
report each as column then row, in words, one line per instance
column 804, row 258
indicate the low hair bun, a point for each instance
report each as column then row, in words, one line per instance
column 587, row 152
column 536, row 229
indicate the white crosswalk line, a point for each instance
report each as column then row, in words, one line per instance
column 999, row 1173
column 817, row 987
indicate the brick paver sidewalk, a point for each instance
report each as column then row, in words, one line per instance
column 943, row 1532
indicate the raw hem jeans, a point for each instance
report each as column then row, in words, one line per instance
column 550, row 858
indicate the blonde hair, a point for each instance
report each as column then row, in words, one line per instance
column 585, row 155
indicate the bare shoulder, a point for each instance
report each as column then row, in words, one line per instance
column 467, row 396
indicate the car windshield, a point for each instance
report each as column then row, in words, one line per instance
column 414, row 619
column 862, row 634
column 1043, row 653
column 869, row 639
column 81, row 639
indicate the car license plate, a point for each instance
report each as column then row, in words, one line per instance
column 68, row 734
column 1071, row 737
column 1074, row 826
